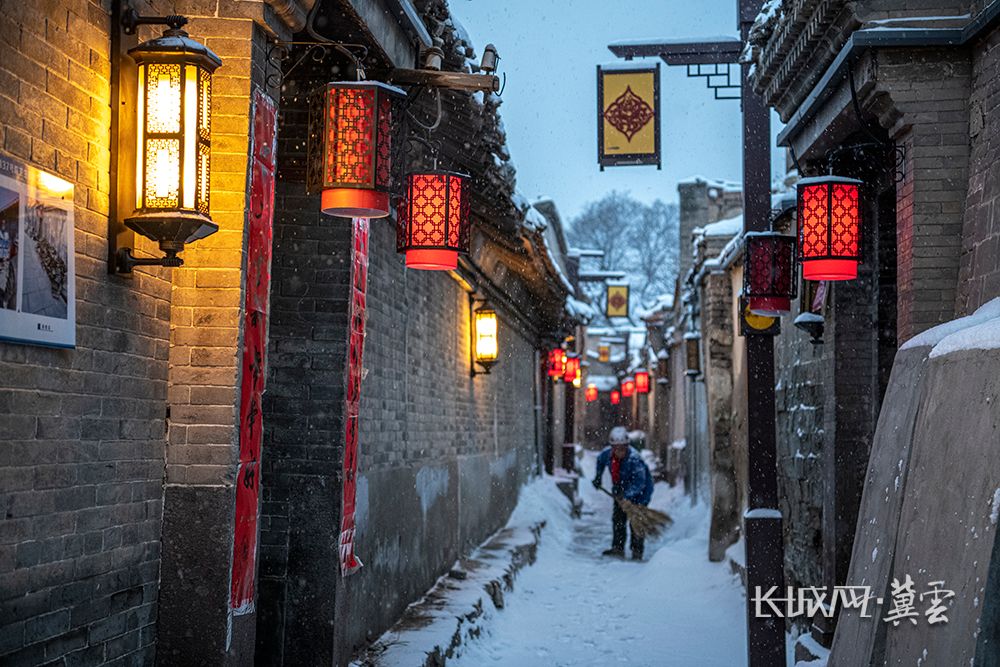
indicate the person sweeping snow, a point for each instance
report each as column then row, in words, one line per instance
column 632, row 483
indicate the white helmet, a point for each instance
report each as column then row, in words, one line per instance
column 619, row 436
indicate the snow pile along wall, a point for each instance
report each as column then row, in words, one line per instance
column 927, row 510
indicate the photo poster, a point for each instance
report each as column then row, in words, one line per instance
column 37, row 261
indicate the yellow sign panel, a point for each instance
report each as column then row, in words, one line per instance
column 617, row 305
column 629, row 123
column 603, row 353
column 752, row 323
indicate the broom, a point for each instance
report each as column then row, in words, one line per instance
column 645, row 521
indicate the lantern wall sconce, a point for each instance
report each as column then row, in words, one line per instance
column 485, row 343
column 692, row 349
column 350, row 147
column 829, row 222
column 162, row 137
column 769, row 277
column 642, row 382
column 432, row 222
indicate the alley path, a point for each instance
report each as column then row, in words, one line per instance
column 575, row 607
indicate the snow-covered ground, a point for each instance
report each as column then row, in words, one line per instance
column 575, row 607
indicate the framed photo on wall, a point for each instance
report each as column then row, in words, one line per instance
column 37, row 267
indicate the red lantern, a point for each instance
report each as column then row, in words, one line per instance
column 628, row 387
column 557, row 357
column 432, row 226
column 642, row 382
column 350, row 146
column 570, row 368
column 769, row 279
column 591, row 393
column 829, row 220
column 616, row 397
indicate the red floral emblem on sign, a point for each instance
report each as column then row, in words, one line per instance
column 617, row 301
column 629, row 113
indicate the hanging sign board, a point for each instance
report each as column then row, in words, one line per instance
column 617, row 303
column 752, row 324
column 628, row 115
column 37, row 262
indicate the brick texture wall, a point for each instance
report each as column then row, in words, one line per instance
column 979, row 277
column 81, row 431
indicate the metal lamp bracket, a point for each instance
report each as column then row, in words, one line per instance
column 131, row 20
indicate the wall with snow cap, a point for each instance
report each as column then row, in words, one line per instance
column 928, row 509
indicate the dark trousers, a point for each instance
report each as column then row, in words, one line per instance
column 618, row 527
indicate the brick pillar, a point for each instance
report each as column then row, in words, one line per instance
column 930, row 90
column 693, row 213
column 195, row 623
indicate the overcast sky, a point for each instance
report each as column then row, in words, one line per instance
column 549, row 51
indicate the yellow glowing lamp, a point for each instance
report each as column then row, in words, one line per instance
column 174, row 140
column 486, row 347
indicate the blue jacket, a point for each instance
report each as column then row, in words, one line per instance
column 635, row 482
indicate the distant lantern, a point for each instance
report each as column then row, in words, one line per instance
column 557, row 357
column 486, row 348
column 432, row 226
column 350, row 147
column 616, row 397
column 642, row 382
column 603, row 353
column 628, row 387
column 591, row 393
column 571, row 368
column 829, row 221
column 769, row 278
column 692, row 349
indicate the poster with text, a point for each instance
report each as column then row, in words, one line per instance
column 37, row 268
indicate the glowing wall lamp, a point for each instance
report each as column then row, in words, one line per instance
column 350, row 147
column 432, row 225
column 616, row 397
column 769, row 278
column 485, row 340
column 642, row 382
column 173, row 104
column 590, row 393
column 829, row 220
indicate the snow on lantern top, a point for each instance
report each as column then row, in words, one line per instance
column 829, row 220
column 350, row 147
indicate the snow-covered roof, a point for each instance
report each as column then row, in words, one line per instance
column 578, row 310
column 728, row 227
column 728, row 186
column 653, row 41
column 534, row 220
column 661, row 303
column 603, row 382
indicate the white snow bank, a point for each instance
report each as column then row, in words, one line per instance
column 935, row 335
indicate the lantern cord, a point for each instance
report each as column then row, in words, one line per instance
column 857, row 108
column 437, row 120
column 795, row 160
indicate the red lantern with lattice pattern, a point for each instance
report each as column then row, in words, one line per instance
column 616, row 397
column 350, row 148
column 829, row 220
column 769, row 280
column 628, row 387
column 432, row 224
column 591, row 393
column 557, row 358
column 571, row 367
column 642, row 382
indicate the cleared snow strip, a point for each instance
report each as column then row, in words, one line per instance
column 988, row 311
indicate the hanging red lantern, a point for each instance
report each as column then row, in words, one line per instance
column 591, row 393
column 556, row 359
column 571, row 367
column 829, row 220
column 350, row 146
column 769, row 278
column 616, row 397
column 628, row 387
column 432, row 224
column 642, row 382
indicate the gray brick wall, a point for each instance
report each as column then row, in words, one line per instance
column 979, row 277
column 81, row 431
